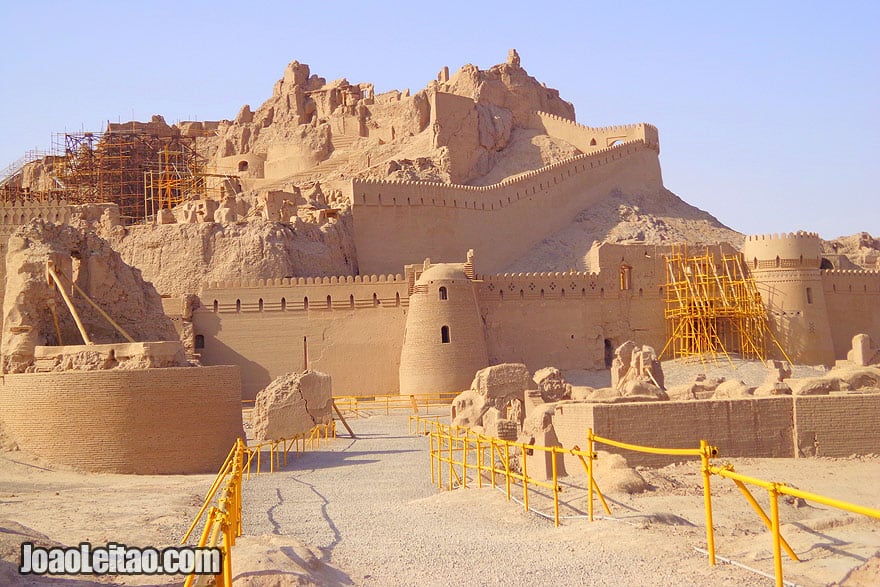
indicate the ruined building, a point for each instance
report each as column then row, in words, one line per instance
column 341, row 238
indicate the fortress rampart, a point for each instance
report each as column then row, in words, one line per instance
column 144, row 421
column 348, row 326
column 434, row 220
column 589, row 139
column 852, row 298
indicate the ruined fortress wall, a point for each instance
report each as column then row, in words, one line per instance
column 837, row 425
column 146, row 421
column 15, row 214
column 262, row 328
column 564, row 319
column 502, row 222
column 588, row 138
column 853, row 302
column 743, row 427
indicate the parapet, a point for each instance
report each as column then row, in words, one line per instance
column 794, row 250
column 298, row 281
column 380, row 192
column 588, row 138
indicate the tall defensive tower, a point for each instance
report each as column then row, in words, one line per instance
column 786, row 268
column 444, row 344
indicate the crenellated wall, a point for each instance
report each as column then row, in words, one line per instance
column 853, row 301
column 589, row 139
column 501, row 221
column 571, row 319
column 568, row 320
column 263, row 327
column 14, row 214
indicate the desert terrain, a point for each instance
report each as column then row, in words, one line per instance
column 364, row 512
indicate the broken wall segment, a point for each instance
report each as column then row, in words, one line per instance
column 292, row 405
column 35, row 313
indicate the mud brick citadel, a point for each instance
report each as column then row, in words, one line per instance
column 398, row 242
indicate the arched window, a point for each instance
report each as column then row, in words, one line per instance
column 306, row 303
column 375, row 300
column 351, row 301
column 260, row 304
column 238, row 305
column 443, row 294
column 242, row 165
column 329, row 302
column 283, row 304
column 444, row 334
column 200, row 341
column 216, row 306
column 397, row 299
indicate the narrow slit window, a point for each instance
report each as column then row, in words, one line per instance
column 444, row 334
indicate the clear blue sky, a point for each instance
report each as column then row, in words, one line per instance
column 769, row 112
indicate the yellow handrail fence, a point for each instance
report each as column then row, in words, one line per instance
column 356, row 404
column 223, row 520
column 458, row 450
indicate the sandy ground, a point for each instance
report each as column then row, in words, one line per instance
column 364, row 512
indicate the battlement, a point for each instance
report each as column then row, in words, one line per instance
column 17, row 213
column 587, row 138
column 305, row 294
column 794, row 250
column 543, row 275
column 295, row 281
column 369, row 192
column 851, row 272
column 801, row 234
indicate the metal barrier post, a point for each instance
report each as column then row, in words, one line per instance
column 439, row 461
column 525, row 479
column 774, row 518
column 707, row 500
column 431, row 451
column 555, row 490
column 451, row 467
column 507, row 467
column 590, row 472
column 479, row 464
column 464, row 450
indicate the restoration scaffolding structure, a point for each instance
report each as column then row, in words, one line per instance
column 713, row 307
column 139, row 170
column 142, row 167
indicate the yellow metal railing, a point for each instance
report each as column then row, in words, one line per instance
column 356, row 404
column 774, row 490
column 458, row 451
column 223, row 520
column 423, row 425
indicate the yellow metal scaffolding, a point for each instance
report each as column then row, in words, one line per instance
column 713, row 307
